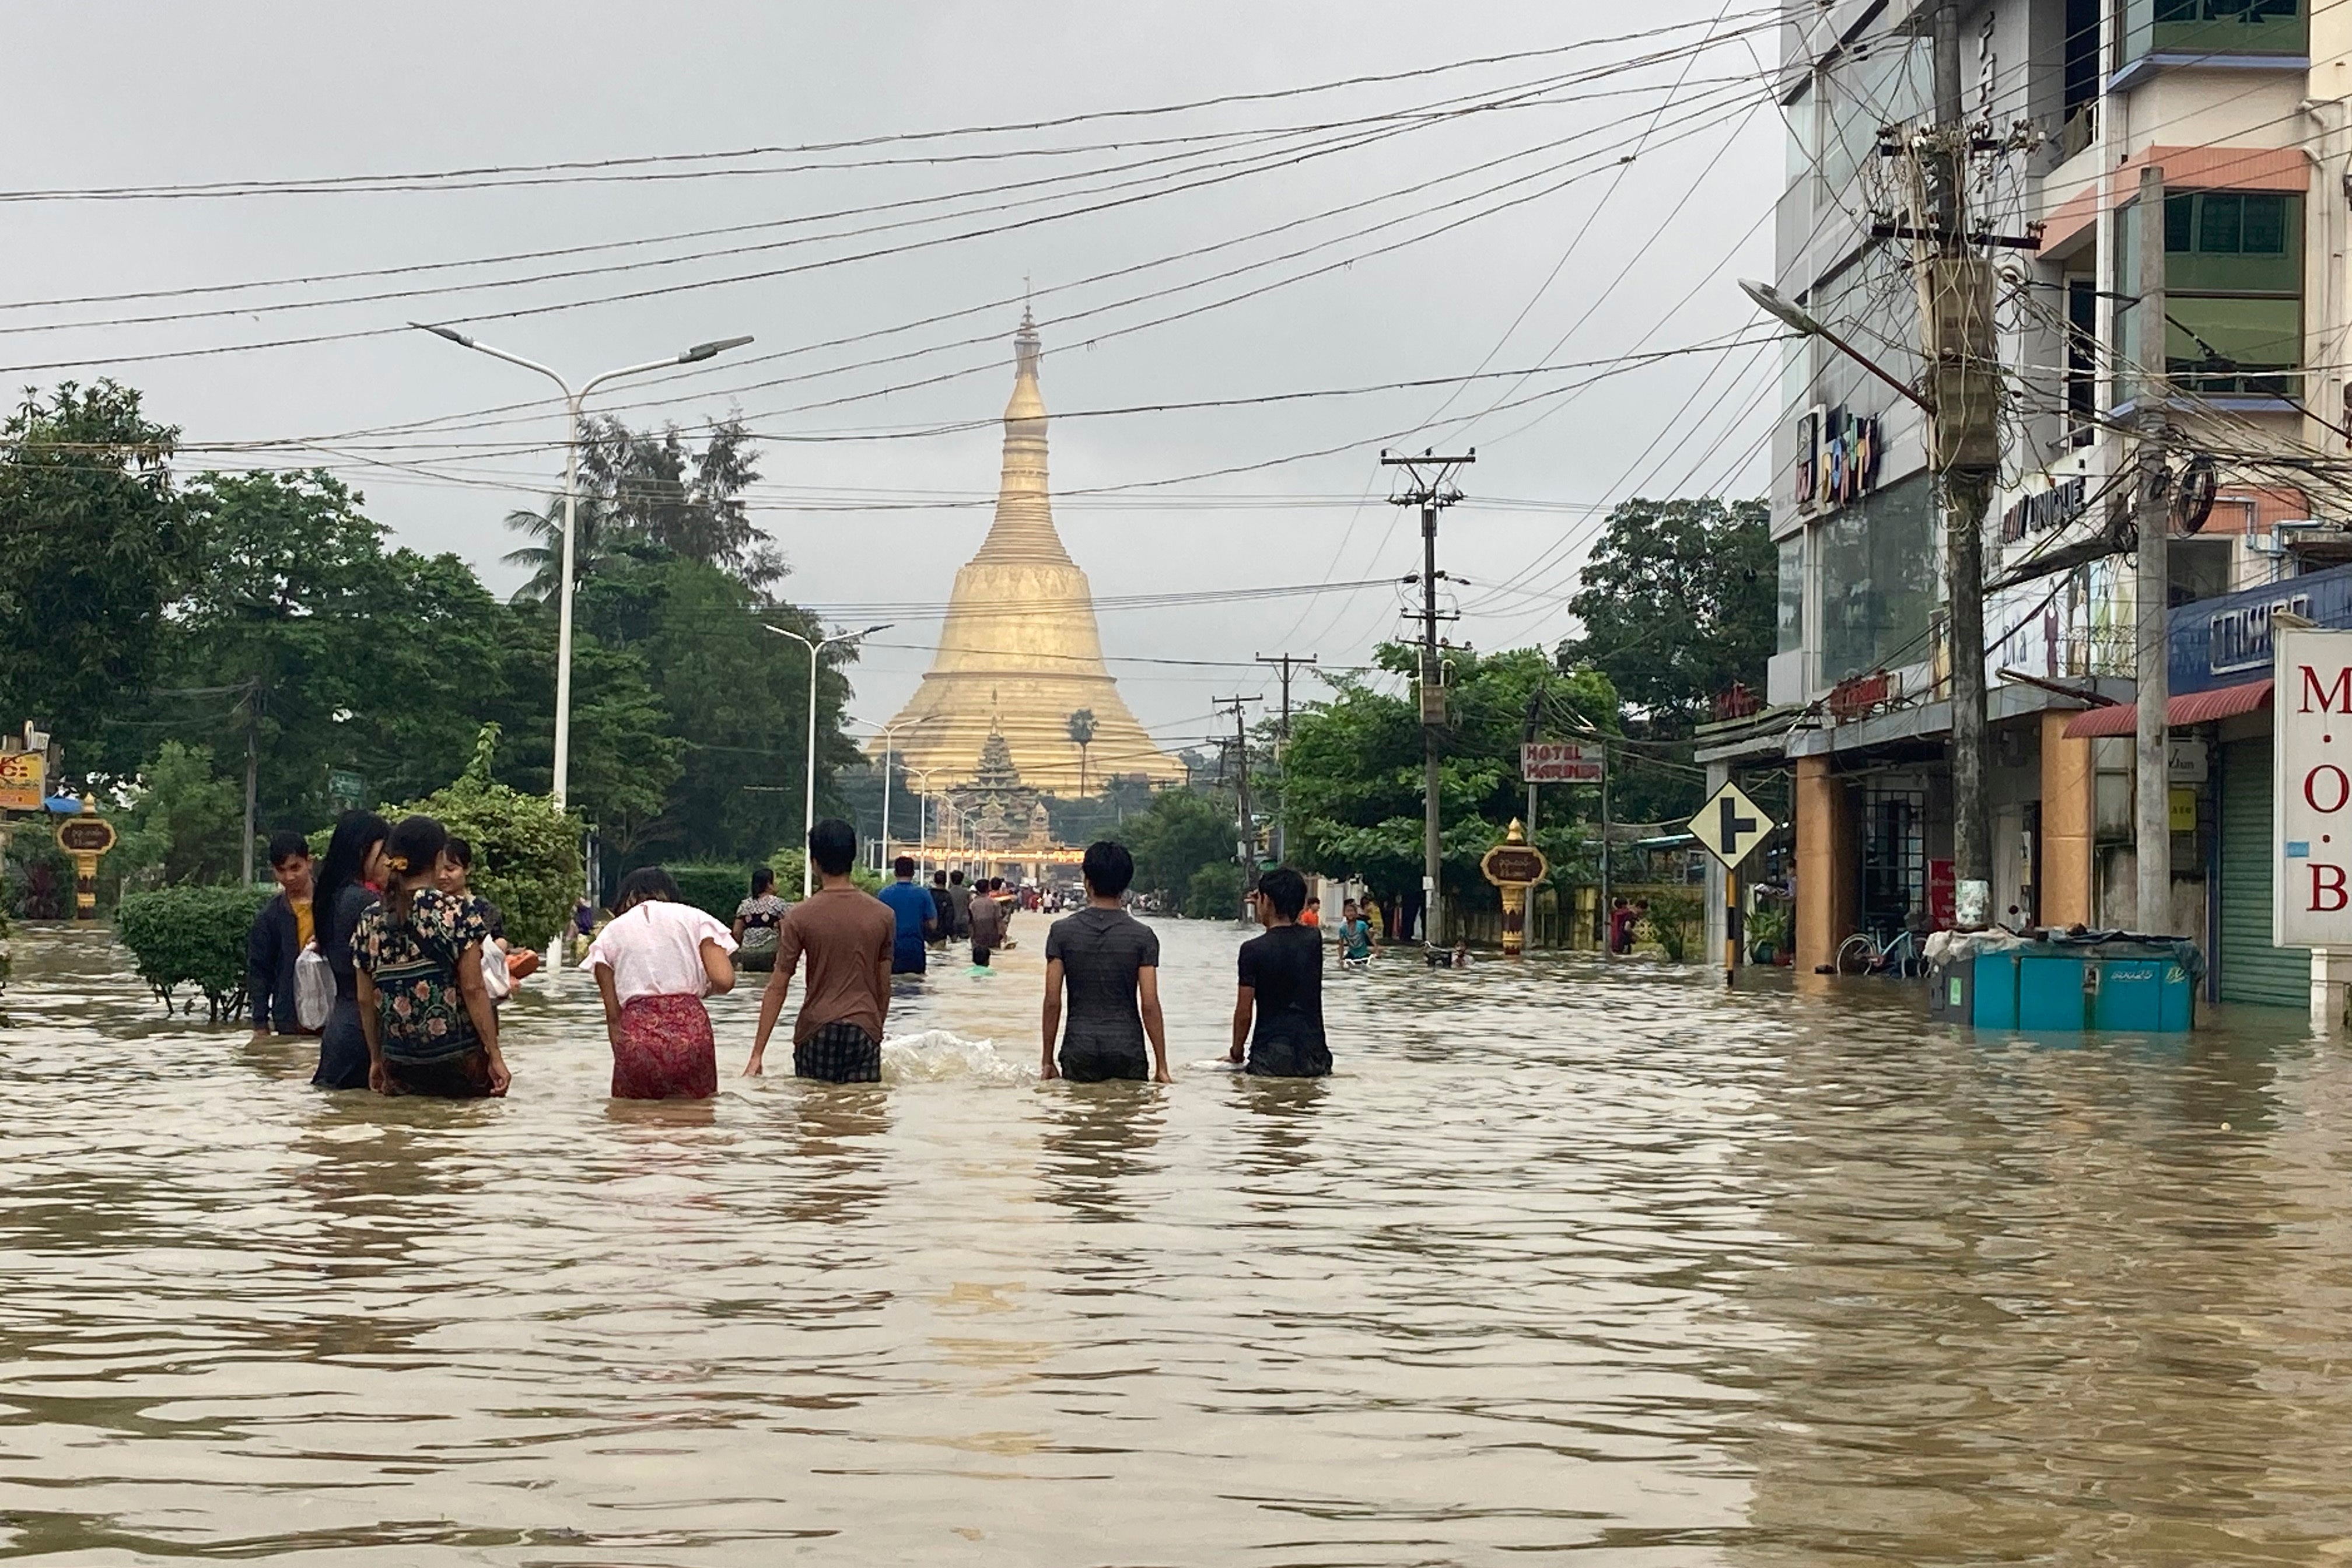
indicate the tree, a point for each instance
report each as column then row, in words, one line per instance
column 1678, row 602
column 637, row 486
column 1082, row 733
column 92, row 546
column 185, row 821
column 1353, row 774
column 1183, row 830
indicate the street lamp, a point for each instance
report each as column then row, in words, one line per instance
column 922, row 777
column 808, row 802
column 1789, row 313
column 887, row 730
column 572, row 402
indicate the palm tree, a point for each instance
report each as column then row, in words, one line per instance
column 1082, row 731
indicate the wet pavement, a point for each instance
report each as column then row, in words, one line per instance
column 1563, row 1261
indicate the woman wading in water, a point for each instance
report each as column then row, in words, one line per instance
column 430, row 1027
column 347, row 880
column 654, row 962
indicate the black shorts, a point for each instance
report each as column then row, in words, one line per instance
column 1281, row 1058
column 1098, row 1061
column 839, row 1053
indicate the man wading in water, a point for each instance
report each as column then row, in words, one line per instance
column 1282, row 986
column 848, row 935
column 1110, row 960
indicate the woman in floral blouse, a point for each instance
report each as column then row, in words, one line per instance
column 430, row 1027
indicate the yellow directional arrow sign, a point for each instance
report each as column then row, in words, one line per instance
column 1730, row 826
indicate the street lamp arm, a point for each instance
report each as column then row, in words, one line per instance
column 624, row 370
column 1789, row 314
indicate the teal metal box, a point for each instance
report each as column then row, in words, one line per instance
column 2050, row 994
column 1996, row 991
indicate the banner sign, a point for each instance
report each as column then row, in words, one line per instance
column 22, row 774
column 1563, row 762
column 2311, row 787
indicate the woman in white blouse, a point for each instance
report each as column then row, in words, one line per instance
column 654, row 962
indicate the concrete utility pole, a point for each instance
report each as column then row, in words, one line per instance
column 1961, row 350
column 2152, row 586
column 1430, row 487
column 1245, row 842
column 1282, row 744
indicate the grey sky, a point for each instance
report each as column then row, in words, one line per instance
column 154, row 94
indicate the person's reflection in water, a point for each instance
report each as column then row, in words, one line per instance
column 1097, row 1145
column 840, row 1132
column 1281, row 1123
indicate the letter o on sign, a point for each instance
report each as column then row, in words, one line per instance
column 2339, row 784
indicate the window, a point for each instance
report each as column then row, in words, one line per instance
column 1884, row 81
column 2082, row 355
column 2203, row 27
column 1793, row 595
column 2232, row 291
column 1877, row 566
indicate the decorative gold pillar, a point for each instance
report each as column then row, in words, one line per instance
column 1513, row 866
column 86, row 837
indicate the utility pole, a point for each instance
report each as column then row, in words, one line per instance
column 2152, row 586
column 1962, row 351
column 1245, row 844
column 1282, row 744
column 1429, row 485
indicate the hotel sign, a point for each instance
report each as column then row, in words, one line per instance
column 1560, row 762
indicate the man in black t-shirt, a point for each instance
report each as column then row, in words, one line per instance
column 1110, row 962
column 1282, row 986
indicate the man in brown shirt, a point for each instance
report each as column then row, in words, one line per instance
column 846, row 936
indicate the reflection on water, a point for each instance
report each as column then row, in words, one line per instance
column 1561, row 1259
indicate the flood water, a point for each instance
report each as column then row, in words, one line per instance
column 1563, row 1261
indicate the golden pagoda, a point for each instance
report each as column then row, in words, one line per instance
column 1019, row 652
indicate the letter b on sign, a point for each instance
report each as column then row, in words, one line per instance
column 2328, row 891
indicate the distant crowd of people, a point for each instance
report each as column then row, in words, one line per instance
column 385, row 951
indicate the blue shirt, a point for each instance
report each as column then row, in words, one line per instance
column 911, row 903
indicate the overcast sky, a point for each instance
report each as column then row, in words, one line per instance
column 141, row 96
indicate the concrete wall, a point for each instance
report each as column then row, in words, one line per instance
column 1828, row 889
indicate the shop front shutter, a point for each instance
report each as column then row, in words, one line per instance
column 2252, row 970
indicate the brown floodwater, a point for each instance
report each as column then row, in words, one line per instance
column 1563, row 1261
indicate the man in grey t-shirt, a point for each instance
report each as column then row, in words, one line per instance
column 1110, row 962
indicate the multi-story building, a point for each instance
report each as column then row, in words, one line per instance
column 2243, row 106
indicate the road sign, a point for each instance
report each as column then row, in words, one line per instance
column 1730, row 826
column 345, row 787
column 1562, row 761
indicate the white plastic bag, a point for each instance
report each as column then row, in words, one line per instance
column 314, row 988
column 495, row 978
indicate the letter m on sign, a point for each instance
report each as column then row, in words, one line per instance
column 2332, row 699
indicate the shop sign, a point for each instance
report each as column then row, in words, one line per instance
column 1837, row 456
column 2043, row 510
column 1562, row 761
column 22, row 774
column 2311, row 791
column 85, row 835
column 1859, row 695
column 2183, row 810
column 2239, row 638
column 1943, row 896
column 2185, row 762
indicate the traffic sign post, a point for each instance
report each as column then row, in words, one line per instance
column 1731, row 826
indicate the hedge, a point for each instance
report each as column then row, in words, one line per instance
column 525, row 853
column 715, row 887
column 191, row 936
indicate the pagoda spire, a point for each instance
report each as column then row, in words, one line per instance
column 1024, row 529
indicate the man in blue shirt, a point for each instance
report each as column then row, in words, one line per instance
column 917, row 915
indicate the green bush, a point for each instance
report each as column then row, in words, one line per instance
column 1674, row 917
column 191, row 936
column 786, row 865
column 714, row 886
column 525, row 853
column 1214, row 892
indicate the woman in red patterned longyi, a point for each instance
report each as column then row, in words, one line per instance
column 654, row 962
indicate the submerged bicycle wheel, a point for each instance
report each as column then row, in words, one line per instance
column 1856, row 954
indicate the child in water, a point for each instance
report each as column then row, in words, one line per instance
column 654, row 962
